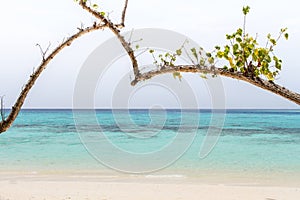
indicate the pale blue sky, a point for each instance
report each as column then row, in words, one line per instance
column 25, row 23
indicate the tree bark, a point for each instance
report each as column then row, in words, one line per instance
column 261, row 83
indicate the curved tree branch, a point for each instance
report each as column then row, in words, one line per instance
column 259, row 82
column 5, row 124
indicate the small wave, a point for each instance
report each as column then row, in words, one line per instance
column 165, row 176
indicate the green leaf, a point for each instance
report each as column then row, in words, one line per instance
column 226, row 50
column 277, row 62
column 286, row 36
column 283, row 30
column 151, row 51
column 270, row 76
column 102, row 13
column 202, row 62
column 95, row 6
column 278, row 65
column 194, row 51
column 268, row 59
column 273, row 41
column 211, row 60
column 220, row 54
column 235, row 47
column 239, row 40
column 203, row 76
column 246, row 10
column 239, row 32
column 179, row 52
column 208, row 55
column 137, row 46
column 177, row 74
column 239, row 63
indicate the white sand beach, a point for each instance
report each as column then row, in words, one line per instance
column 65, row 187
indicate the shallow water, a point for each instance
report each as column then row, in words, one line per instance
column 251, row 141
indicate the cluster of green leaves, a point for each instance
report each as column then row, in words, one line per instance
column 243, row 54
column 94, row 6
column 202, row 58
column 167, row 59
column 246, row 56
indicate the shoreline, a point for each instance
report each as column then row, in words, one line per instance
column 230, row 177
column 214, row 177
column 104, row 187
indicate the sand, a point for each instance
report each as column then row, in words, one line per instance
column 81, row 187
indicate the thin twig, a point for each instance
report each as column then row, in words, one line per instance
column 43, row 53
column 130, row 37
column 144, row 51
column 186, row 51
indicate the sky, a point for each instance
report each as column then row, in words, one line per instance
column 26, row 23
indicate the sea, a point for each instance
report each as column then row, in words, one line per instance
column 175, row 143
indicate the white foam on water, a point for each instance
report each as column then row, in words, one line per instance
column 166, row 176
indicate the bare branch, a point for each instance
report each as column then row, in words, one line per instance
column 104, row 23
column 141, row 53
column 81, row 27
column 124, row 13
column 5, row 124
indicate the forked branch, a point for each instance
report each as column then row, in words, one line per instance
column 43, row 52
column 115, row 29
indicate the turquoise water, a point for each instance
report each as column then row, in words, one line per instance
column 263, row 141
